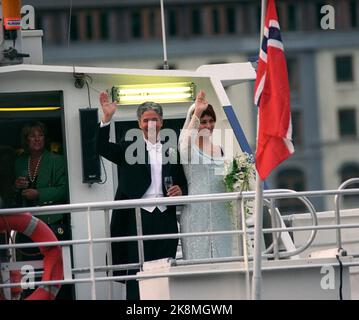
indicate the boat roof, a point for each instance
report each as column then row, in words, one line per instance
column 228, row 74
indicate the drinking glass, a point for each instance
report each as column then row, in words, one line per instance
column 168, row 182
column 25, row 178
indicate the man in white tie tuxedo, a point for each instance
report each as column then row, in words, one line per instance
column 141, row 180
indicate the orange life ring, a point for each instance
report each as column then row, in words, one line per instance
column 38, row 231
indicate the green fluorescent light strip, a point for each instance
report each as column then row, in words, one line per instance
column 158, row 92
column 154, row 97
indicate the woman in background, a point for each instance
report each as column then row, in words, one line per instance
column 42, row 180
column 41, row 177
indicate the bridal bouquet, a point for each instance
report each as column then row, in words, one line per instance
column 240, row 172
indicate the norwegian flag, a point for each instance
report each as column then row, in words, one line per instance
column 271, row 95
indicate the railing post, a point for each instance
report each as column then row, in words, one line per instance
column 258, row 234
column 91, row 255
column 239, row 224
column 337, row 220
column 274, row 225
column 109, row 251
column 337, row 209
column 242, row 213
column 141, row 255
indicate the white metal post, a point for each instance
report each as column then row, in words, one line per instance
column 275, row 237
column 258, row 229
column 245, row 245
column 141, row 255
column 91, row 255
column 109, row 251
column 258, row 224
column 163, row 26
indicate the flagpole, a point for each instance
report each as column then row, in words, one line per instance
column 165, row 61
column 263, row 14
column 258, row 224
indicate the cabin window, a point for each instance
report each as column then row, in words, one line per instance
column 280, row 13
column 136, row 24
column 89, row 26
column 347, row 123
column 344, row 68
column 293, row 179
column 297, row 127
column 172, row 23
column 353, row 12
column 215, row 21
column 74, row 30
column 152, row 24
column 39, row 22
column 293, row 75
column 292, row 17
column 104, row 27
column 231, row 20
column 258, row 18
column 348, row 171
column 49, row 25
column 196, row 22
column 246, row 21
column 18, row 109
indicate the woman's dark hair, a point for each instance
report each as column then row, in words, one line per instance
column 28, row 128
column 209, row 112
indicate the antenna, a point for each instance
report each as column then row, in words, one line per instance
column 69, row 26
column 163, row 26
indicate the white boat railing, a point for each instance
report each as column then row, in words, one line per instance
column 278, row 228
column 337, row 197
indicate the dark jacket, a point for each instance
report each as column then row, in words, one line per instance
column 51, row 182
column 134, row 180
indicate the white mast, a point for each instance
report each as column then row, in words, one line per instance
column 258, row 224
column 163, row 26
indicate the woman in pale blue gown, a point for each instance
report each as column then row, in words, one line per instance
column 203, row 164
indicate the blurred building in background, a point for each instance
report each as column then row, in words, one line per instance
column 323, row 66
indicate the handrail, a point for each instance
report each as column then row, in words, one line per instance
column 311, row 238
column 336, row 209
column 170, row 274
column 214, row 197
column 105, row 206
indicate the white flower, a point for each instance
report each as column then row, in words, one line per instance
column 237, row 185
column 240, row 173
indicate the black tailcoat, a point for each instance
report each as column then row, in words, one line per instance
column 134, row 180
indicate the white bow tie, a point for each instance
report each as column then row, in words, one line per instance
column 157, row 146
